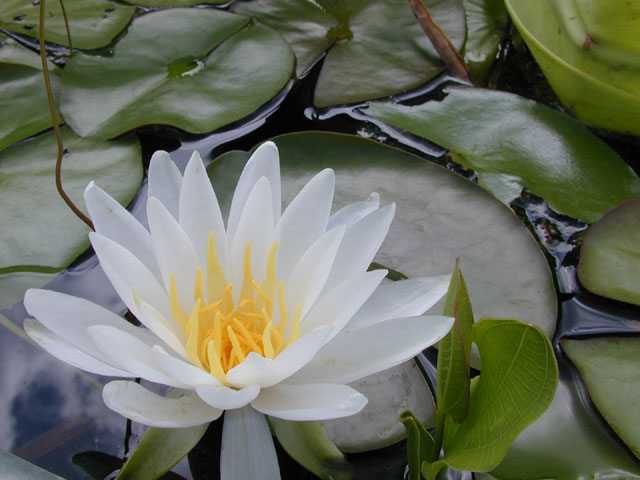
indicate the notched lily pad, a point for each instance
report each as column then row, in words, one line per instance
column 40, row 234
column 93, row 23
column 195, row 69
column 440, row 216
column 610, row 255
column 609, row 367
column 375, row 48
column 24, row 109
column 512, row 142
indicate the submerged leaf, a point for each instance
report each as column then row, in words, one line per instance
column 375, row 48
column 609, row 367
column 93, row 23
column 195, row 69
column 310, row 446
column 159, row 450
column 610, row 255
column 517, row 384
column 512, row 142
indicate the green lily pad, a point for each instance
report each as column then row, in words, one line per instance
column 24, row 109
column 588, row 51
column 375, row 48
column 194, row 69
column 14, row 284
column 610, row 368
column 569, row 442
column 41, row 234
column 440, row 216
column 512, row 142
column 173, row 3
column 610, row 255
column 93, row 23
column 486, row 22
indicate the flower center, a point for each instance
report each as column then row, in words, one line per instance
column 221, row 333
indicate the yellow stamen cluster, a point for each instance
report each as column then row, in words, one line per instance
column 220, row 334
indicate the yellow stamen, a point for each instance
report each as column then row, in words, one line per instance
column 216, row 280
column 197, row 295
column 295, row 329
column 237, row 351
column 215, row 367
column 176, row 312
column 193, row 336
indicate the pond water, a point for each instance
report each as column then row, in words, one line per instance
column 53, row 415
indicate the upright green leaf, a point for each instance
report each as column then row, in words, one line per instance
column 159, row 450
column 419, row 443
column 512, row 142
column 517, row 384
column 309, row 445
column 610, row 255
column 93, row 23
column 454, row 352
column 610, row 367
column 195, row 69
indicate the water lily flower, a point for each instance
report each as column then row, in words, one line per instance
column 272, row 314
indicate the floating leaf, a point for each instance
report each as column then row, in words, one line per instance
column 513, row 143
column 159, row 450
column 610, row 255
column 589, row 53
column 39, row 233
column 13, row 285
column 440, row 217
column 309, row 445
column 24, row 109
column 569, row 442
column 195, row 69
column 517, row 384
column 15, row 467
column 375, row 48
column 609, row 367
column 486, row 22
column 454, row 352
column 93, row 23
column 172, row 3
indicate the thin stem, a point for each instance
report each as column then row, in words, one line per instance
column 66, row 25
column 440, row 41
column 56, row 127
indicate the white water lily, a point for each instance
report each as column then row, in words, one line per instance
column 274, row 314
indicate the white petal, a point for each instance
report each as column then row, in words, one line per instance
column 263, row 163
column 200, row 212
column 69, row 317
column 250, row 371
column 247, row 447
column 309, row 402
column 351, row 356
column 304, row 220
column 164, row 181
column 182, row 371
column 65, row 351
column 352, row 213
column 310, row 274
column 129, row 352
column 360, row 244
column 255, row 226
column 127, row 274
column 112, row 220
column 174, row 252
column 404, row 298
column 338, row 306
column 162, row 328
column 140, row 405
column 227, row 398
column 289, row 361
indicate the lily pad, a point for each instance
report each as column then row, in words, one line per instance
column 486, row 22
column 375, row 48
column 195, row 69
column 93, row 23
column 24, row 109
column 40, row 234
column 569, row 442
column 589, row 53
column 440, row 216
column 512, row 142
column 609, row 367
column 610, row 255
column 172, row 3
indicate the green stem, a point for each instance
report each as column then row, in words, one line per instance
column 54, row 119
column 66, row 25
